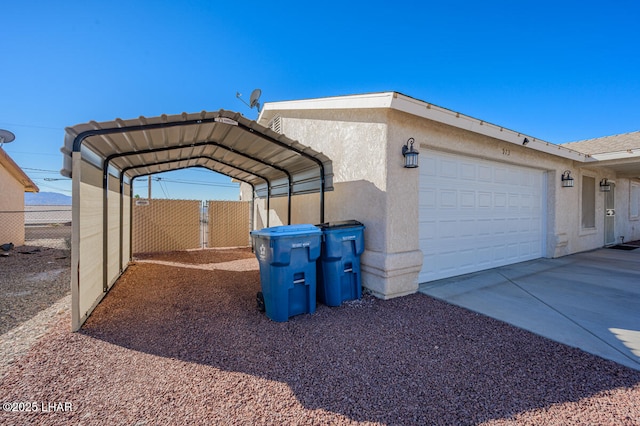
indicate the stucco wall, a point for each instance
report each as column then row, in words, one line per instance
column 564, row 232
column 356, row 141
column 11, row 201
column 372, row 186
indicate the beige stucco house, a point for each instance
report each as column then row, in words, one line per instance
column 483, row 195
column 13, row 184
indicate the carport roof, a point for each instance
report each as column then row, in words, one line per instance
column 223, row 141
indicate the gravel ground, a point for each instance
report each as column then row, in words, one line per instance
column 31, row 279
column 173, row 345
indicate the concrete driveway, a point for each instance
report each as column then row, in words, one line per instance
column 588, row 300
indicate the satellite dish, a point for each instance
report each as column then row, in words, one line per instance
column 6, row 137
column 254, row 98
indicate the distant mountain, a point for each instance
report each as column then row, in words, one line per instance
column 46, row 199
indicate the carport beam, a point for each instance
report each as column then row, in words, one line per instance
column 300, row 152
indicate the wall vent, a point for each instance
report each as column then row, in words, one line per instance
column 276, row 124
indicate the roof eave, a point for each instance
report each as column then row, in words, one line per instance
column 19, row 174
column 413, row 106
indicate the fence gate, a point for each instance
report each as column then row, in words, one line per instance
column 229, row 224
column 170, row 225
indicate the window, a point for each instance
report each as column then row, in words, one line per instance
column 634, row 202
column 588, row 202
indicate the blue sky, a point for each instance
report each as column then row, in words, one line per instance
column 559, row 71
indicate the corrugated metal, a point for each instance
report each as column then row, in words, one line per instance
column 103, row 159
column 223, row 141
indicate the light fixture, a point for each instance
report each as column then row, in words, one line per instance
column 525, row 141
column 410, row 154
column 605, row 186
column 567, row 180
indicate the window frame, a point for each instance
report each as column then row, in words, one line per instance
column 634, row 187
column 585, row 230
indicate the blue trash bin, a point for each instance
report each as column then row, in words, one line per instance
column 339, row 276
column 287, row 256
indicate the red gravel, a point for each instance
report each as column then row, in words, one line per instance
column 184, row 346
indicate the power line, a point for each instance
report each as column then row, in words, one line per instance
column 195, row 182
column 31, row 126
column 54, row 187
column 41, row 170
column 35, row 153
column 162, row 186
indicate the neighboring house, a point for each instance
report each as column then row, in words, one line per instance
column 483, row 195
column 13, row 184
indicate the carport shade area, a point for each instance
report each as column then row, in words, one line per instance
column 104, row 158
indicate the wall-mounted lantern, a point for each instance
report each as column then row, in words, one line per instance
column 410, row 154
column 567, row 180
column 605, row 186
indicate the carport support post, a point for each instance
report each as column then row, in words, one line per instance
column 131, row 220
column 268, row 202
column 76, row 164
column 105, row 224
column 300, row 152
column 253, row 206
column 289, row 202
column 121, row 219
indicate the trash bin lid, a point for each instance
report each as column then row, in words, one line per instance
column 287, row 230
column 340, row 224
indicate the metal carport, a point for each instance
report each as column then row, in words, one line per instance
column 104, row 158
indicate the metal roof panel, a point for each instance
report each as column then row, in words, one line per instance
column 224, row 141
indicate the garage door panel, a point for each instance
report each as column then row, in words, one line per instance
column 500, row 200
column 484, row 200
column 467, row 199
column 448, row 199
column 500, row 175
column 448, row 169
column 467, row 228
column 428, row 198
column 430, row 165
column 485, row 174
column 468, row 171
column 514, row 201
column 484, row 227
column 477, row 214
column 512, row 225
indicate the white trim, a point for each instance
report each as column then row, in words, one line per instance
column 403, row 103
column 617, row 155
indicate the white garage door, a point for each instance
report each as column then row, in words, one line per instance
column 477, row 214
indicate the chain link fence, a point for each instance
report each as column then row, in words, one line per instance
column 159, row 225
column 40, row 226
column 164, row 225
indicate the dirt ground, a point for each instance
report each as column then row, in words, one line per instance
column 174, row 344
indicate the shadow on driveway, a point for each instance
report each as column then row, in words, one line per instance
column 588, row 300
